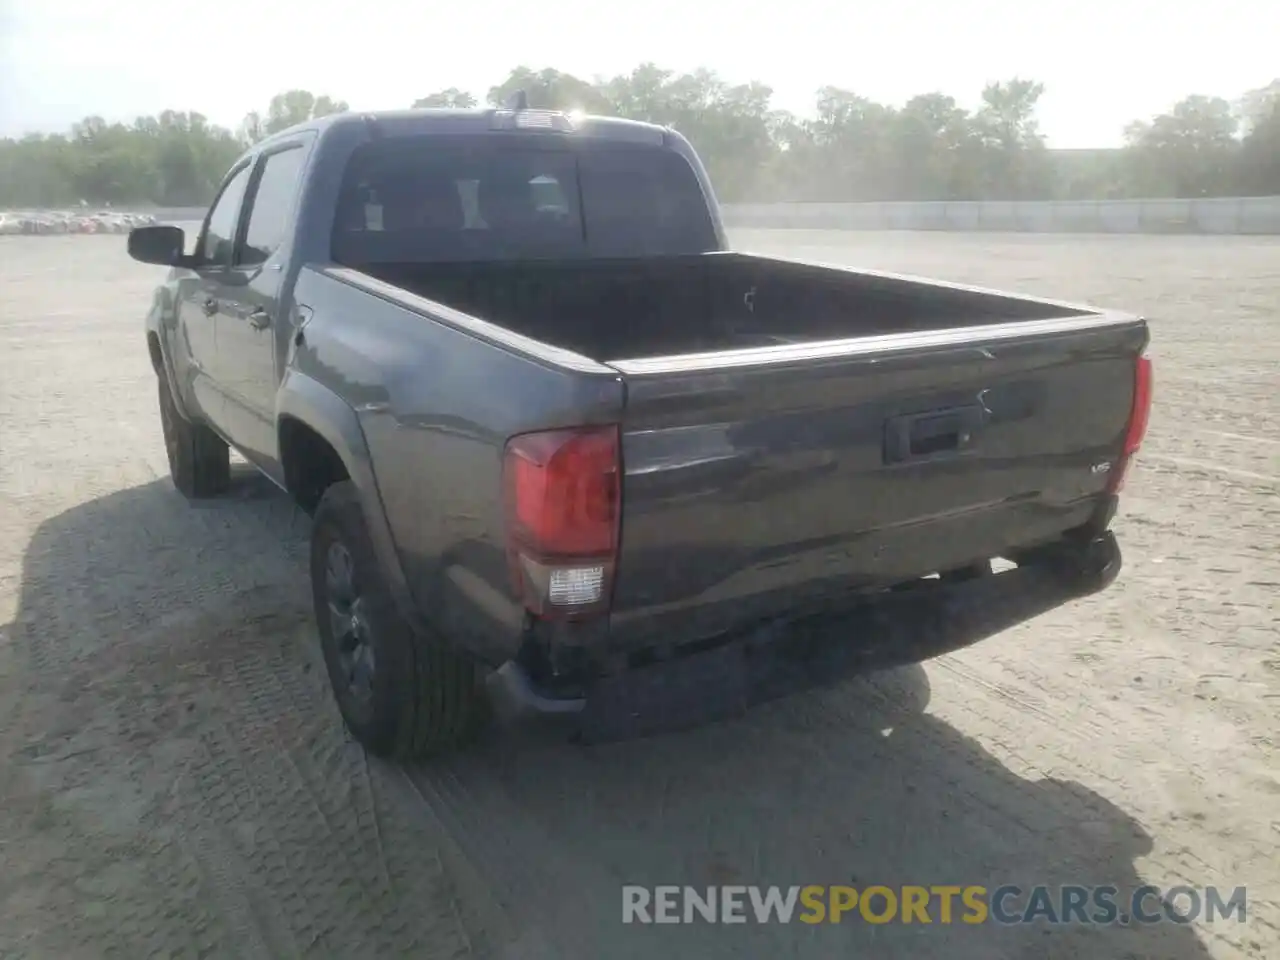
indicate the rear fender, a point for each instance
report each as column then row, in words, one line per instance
column 315, row 405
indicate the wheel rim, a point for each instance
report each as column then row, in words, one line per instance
column 349, row 624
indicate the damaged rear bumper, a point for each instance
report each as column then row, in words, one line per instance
column 784, row 657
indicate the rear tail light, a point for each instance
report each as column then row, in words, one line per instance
column 1141, row 412
column 563, row 492
column 1139, row 415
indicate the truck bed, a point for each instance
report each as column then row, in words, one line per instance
column 625, row 309
column 919, row 428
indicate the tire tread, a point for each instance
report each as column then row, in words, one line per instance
column 440, row 706
column 201, row 468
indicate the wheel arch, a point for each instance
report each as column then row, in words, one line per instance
column 321, row 442
column 309, row 462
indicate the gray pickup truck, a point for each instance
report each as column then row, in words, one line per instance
column 565, row 450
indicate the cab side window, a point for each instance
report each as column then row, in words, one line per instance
column 220, row 235
column 271, row 206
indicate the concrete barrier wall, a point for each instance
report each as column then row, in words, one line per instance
column 1220, row 215
column 1223, row 215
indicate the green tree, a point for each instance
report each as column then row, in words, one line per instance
column 1015, row 164
column 933, row 146
column 253, row 128
column 1259, row 163
column 1189, row 152
column 849, row 148
column 550, row 90
column 1257, row 106
column 298, row 106
column 1258, row 167
column 731, row 126
column 452, row 97
column 37, row 171
column 1088, row 174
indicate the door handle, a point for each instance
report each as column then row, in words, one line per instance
column 210, row 306
column 259, row 319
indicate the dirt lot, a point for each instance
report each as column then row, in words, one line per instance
column 174, row 780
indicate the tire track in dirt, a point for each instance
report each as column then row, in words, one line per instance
column 295, row 815
column 279, row 819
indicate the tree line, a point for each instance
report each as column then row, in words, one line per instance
column 849, row 148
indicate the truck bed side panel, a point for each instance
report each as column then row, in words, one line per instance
column 437, row 404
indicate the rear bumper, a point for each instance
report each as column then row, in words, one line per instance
column 782, row 658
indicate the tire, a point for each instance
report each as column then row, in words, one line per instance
column 401, row 695
column 199, row 460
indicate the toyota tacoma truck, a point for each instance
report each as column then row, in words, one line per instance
column 567, row 451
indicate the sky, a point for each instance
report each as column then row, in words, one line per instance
column 1103, row 62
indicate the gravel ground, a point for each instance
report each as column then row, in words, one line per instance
column 174, row 780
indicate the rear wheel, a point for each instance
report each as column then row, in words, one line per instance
column 199, row 460
column 400, row 694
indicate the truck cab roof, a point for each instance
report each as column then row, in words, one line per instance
column 474, row 120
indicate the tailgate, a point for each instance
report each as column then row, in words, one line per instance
column 761, row 482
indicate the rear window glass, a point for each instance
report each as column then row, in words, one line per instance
column 442, row 198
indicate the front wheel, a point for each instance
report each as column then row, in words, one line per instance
column 400, row 694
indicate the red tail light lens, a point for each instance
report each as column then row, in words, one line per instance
column 563, row 491
column 1141, row 411
column 1139, row 416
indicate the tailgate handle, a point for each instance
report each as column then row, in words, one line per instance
column 932, row 435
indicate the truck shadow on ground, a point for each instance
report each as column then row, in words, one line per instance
column 140, row 616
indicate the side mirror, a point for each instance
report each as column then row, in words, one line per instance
column 161, row 245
